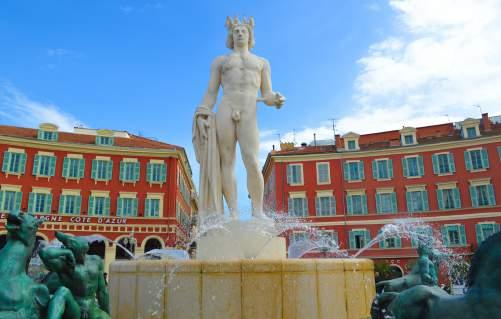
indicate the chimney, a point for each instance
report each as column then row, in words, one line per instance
column 486, row 122
column 338, row 141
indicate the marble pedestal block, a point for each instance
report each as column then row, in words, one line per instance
column 245, row 289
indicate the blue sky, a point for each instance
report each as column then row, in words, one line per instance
column 143, row 66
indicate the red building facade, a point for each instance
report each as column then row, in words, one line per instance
column 448, row 176
column 132, row 190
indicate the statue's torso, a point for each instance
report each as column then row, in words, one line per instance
column 83, row 281
column 18, row 293
column 241, row 74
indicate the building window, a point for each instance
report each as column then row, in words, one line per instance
column 127, row 207
column 152, row 207
column 295, row 174
column 325, row 205
column 476, row 159
column 356, row 204
column 448, row 198
column 417, row 201
column 10, row 200
column 102, row 170
column 328, row 236
column 389, row 243
column 413, row 166
column 156, row 172
column 443, row 163
column 47, row 135
column 352, row 145
column 298, row 236
column 323, row 174
column 99, row 205
column 386, row 203
column 354, row 171
column 13, row 162
column 453, row 235
column 44, row 165
column 298, row 207
column 382, row 169
column 482, row 195
column 104, row 140
column 70, row 204
column 359, row 238
column 39, row 203
column 471, row 132
column 73, row 167
column 129, row 171
column 409, row 139
column 421, row 234
column 485, row 230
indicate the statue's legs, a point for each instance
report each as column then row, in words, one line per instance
column 63, row 305
column 226, row 139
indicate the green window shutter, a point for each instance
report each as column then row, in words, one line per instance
column 408, row 201
column 305, row 207
column 445, row 237
column 420, row 165
column 91, row 210
column 394, row 207
column 398, row 242
column 478, row 230
column 462, row 235
column 496, row 228
column 78, row 204
column 332, row 203
column 40, row 135
column 290, row 206
column 120, row 206
column 349, row 205
column 81, row 168
column 122, row 171
column 364, row 204
column 440, row 198
column 352, row 240
column 346, row 171
column 289, row 174
column 382, row 243
column 374, row 169
column 36, row 162
column 148, row 172
column 361, row 169
column 499, row 152
column 474, row 196
column 136, row 171
column 62, row 200
column 147, row 204
column 109, row 170
column 6, row 161
column 424, row 197
column 134, row 207
column 390, row 168
column 485, row 158
column 52, row 166
column 31, row 199
column 66, row 167
column 457, row 198
column 1, row 199
column 467, row 160
column 164, row 173
column 452, row 165
column 378, row 203
column 93, row 173
column 405, row 168
column 492, row 197
column 107, row 202
column 48, row 203
column 434, row 160
column 22, row 163
column 317, row 206
column 19, row 198
column 367, row 237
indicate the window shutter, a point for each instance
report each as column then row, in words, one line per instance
column 452, row 165
column 78, row 204
column 6, row 161
column 120, row 206
column 474, row 196
column 290, row 206
column 478, row 230
column 485, row 159
column 81, row 168
column 62, row 200
column 93, row 173
column 91, row 209
column 352, row 240
column 332, row 202
column 22, row 163
column 136, row 171
column 496, row 228
column 420, row 165
column 107, row 202
column 367, row 237
column 445, row 237
column 364, row 204
column 440, row 198
column 305, row 207
column 492, row 197
column 405, row 167
column 52, row 166
column 462, row 235
column 361, row 170
column 31, row 200
column 164, row 172
column 122, row 171
column 434, row 160
column 148, row 172
column 349, row 205
column 48, row 203
column 289, row 174
column 408, row 202
column 134, row 207
column 398, row 242
column 109, row 170
column 36, row 162
column 346, row 171
column 394, row 207
column 378, row 203
column 1, row 200
column 457, row 198
column 374, row 170
column 147, row 207
column 467, row 160
column 390, row 168
column 317, row 206
column 424, row 197
column 382, row 242
column 66, row 167
column 19, row 198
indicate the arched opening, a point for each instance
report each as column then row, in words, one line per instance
column 151, row 244
column 3, row 240
column 97, row 248
column 395, row 272
column 126, row 243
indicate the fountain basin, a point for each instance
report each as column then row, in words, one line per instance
column 249, row 289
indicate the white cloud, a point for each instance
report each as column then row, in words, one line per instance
column 442, row 58
column 16, row 108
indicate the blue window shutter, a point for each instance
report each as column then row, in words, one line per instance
column 6, row 161
column 420, row 165
column 332, row 205
column 492, row 197
column 424, row 197
column 36, row 162
column 164, row 172
column 78, row 204
column 22, row 163
column 48, row 203
column 19, row 198
column 378, row 203
column 352, row 240
column 31, row 199
column 52, row 166
column 346, row 171
column 148, row 172
column 361, row 170
column 109, row 170
column 136, row 171
column 66, row 167
column 62, row 200
column 93, row 173
column 305, row 206
column 440, row 198
column 290, row 206
column 405, row 167
column 436, row 168
column 364, row 204
column 462, row 235
column 408, row 201
column 317, row 206
column 485, row 159
column 91, row 210
column 120, row 206
column 81, row 168
column 445, row 237
column 289, row 174
column 107, row 202
column 390, row 168
column 478, row 230
column 457, row 198
column 394, row 207
column 452, row 165
column 474, row 196
column 374, row 169
column 147, row 207
column 122, row 171
column 134, row 207
column 467, row 160
column 349, row 205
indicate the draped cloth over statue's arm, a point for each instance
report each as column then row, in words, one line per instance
column 207, row 155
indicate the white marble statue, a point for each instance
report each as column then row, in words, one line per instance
column 241, row 74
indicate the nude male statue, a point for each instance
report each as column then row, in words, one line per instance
column 241, row 74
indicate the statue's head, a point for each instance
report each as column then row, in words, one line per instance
column 424, row 248
column 240, row 33
column 78, row 245
column 22, row 227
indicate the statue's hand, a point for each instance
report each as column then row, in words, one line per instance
column 275, row 99
column 203, row 126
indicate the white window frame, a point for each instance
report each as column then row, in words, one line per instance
column 301, row 183
column 318, row 164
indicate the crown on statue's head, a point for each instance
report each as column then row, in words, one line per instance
column 232, row 23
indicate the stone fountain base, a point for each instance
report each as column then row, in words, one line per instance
column 248, row 289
